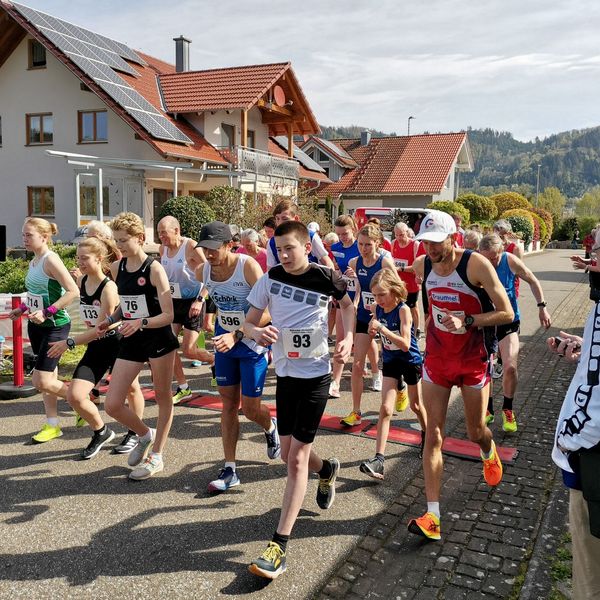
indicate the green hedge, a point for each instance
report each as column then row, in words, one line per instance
column 451, row 207
column 190, row 212
column 481, row 208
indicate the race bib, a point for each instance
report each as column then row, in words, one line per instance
column 387, row 343
column 304, row 343
column 175, row 289
column 134, row 307
column 350, row 283
column 231, row 320
column 400, row 263
column 368, row 299
column 438, row 315
column 34, row 302
column 89, row 314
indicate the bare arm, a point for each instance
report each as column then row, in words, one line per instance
column 264, row 336
column 194, row 256
column 518, row 267
column 344, row 347
column 401, row 339
column 55, row 269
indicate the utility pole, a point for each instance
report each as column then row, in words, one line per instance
column 537, row 187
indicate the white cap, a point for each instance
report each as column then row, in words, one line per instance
column 436, row 226
column 313, row 226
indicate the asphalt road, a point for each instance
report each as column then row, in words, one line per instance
column 72, row 529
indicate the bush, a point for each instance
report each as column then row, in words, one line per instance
column 567, row 228
column 227, row 203
column 586, row 224
column 547, row 218
column 509, row 200
column 480, row 208
column 540, row 229
column 190, row 212
column 522, row 223
column 451, row 207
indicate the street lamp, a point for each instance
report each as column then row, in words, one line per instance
column 408, row 125
column 537, row 186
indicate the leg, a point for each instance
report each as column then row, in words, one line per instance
column 475, row 402
column 78, row 397
column 416, row 404
column 47, row 382
column 388, row 399
column 177, row 365
column 416, row 317
column 254, row 410
column 190, row 348
column 338, row 368
column 230, row 421
column 373, row 353
column 135, row 398
column 509, row 347
column 162, row 369
column 362, row 342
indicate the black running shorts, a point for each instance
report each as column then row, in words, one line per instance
column 148, row 344
column 40, row 338
column 99, row 357
column 181, row 311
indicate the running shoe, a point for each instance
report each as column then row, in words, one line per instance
column 213, row 382
column 354, row 418
column 489, row 417
column 334, row 389
column 226, row 479
column 270, row 564
column 330, row 341
column 497, row 371
column 402, row 400
column 79, row 420
column 181, row 394
column 372, row 467
column 509, row 421
column 98, row 440
column 127, row 444
column 46, row 433
column 152, row 464
column 376, row 382
column 427, row 526
column 273, row 444
column 418, row 334
column 139, row 453
column 94, row 396
column 492, row 468
column 326, row 487
column 196, row 363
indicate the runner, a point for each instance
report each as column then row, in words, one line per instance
column 240, row 363
column 296, row 293
column 287, row 210
column 98, row 298
column 180, row 258
column 508, row 268
column 401, row 360
column 50, row 289
column 504, row 229
column 461, row 287
column 146, row 310
column 363, row 268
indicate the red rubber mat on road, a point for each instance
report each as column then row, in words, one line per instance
column 332, row 423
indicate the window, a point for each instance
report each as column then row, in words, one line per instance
column 40, row 201
column 37, row 55
column 40, row 129
column 88, row 203
column 251, row 143
column 93, row 126
column 227, row 135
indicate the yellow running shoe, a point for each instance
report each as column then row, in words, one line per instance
column 46, row 433
column 489, row 417
column 270, row 564
column 427, row 526
column 402, row 400
column 354, row 418
column 79, row 420
column 509, row 421
column 492, row 468
column 181, row 394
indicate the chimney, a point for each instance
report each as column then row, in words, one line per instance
column 182, row 54
column 365, row 138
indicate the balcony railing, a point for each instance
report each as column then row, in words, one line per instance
column 260, row 163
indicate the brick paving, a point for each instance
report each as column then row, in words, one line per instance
column 488, row 535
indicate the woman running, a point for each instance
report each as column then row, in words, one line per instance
column 363, row 268
column 50, row 289
column 146, row 310
column 98, row 298
column 401, row 359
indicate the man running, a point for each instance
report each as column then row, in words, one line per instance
column 180, row 258
column 461, row 287
column 240, row 363
column 297, row 293
column 509, row 268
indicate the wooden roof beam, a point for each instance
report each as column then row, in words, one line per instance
column 272, row 107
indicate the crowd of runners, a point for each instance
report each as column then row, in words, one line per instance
column 278, row 296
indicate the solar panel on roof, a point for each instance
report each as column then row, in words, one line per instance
column 299, row 155
column 97, row 56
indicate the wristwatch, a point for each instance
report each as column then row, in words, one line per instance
column 71, row 343
column 542, row 304
column 469, row 320
column 238, row 334
column 144, row 324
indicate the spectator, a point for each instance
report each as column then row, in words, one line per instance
column 250, row 246
column 269, row 227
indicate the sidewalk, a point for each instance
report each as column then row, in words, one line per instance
column 496, row 543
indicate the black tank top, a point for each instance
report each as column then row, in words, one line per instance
column 138, row 284
column 85, row 298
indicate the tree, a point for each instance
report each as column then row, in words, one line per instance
column 227, row 203
column 341, row 208
column 589, row 205
column 509, row 200
column 479, row 207
column 328, row 206
column 190, row 212
column 553, row 201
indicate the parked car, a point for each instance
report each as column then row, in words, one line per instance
column 388, row 215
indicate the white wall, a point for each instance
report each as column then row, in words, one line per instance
column 56, row 90
column 212, row 127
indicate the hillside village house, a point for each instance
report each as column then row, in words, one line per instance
column 89, row 127
column 406, row 171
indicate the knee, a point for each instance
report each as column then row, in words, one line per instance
column 188, row 351
column 386, row 411
column 112, row 408
column 358, row 365
column 510, row 369
column 73, row 400
column 294, row 465
column 434, row 437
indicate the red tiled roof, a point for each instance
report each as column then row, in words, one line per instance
column 275, row 148
column 218, row 89
column 419, row 164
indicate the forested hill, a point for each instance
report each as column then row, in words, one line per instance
column 569, row 161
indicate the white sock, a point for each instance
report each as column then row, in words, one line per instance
column 230, row 464
column 272, row 428
column 52, row 421
column 434, row 507
column 183, row 386
column 147, row 436
column 156, row 455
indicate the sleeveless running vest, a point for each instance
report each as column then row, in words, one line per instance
column 42, row 291
column 89, row 304
column 182, row 280
column 364, row 275
column 391, row 320
column 139, row 298
column 342, row 257
column 455, row 293
column 405, row 257
column 509, row 280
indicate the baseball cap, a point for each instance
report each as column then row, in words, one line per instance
column 436, row 226
column 214, row 235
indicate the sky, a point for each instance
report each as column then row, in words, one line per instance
column 530, row 67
